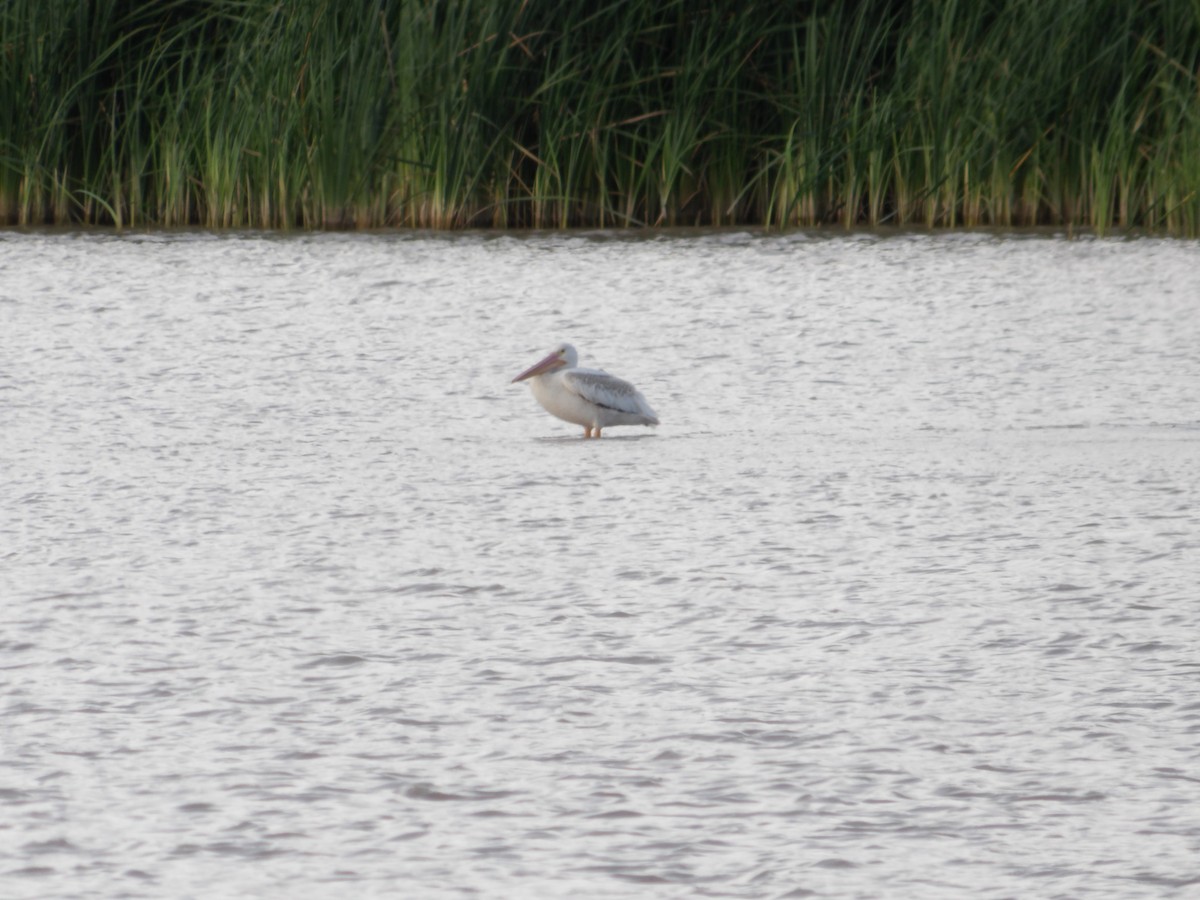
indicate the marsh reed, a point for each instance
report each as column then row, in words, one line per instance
column 515, row 113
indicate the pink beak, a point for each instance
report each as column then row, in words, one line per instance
column 553, row 361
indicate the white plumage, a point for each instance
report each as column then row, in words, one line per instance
column 586, row 397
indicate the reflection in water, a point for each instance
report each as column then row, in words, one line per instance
column 299, row 589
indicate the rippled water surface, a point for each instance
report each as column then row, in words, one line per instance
column 300, row 598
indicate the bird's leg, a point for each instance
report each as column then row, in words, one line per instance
column 596, row 431
column 587, row 431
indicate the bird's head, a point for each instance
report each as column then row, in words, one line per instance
column 562, row 356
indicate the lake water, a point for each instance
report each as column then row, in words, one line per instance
column 300, row 598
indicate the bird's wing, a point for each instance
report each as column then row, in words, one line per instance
column 608, row 391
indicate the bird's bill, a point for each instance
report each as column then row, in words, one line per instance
column 553, row 361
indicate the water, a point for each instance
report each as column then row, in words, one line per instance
column 300, row 597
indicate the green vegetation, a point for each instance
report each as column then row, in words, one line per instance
column 517, row 113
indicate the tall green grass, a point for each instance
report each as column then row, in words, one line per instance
column 515, row 113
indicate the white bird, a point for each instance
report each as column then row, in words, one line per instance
column 587, row 397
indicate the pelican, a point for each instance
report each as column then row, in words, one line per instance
column 586, row 397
